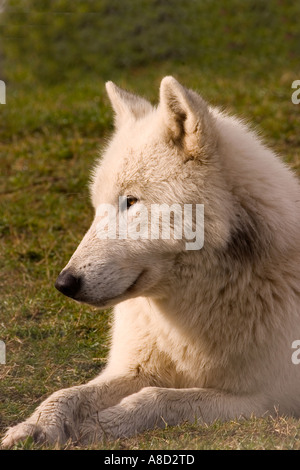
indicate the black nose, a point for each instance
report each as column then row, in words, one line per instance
column 68, row 284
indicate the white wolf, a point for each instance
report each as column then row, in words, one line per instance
column 197, row 335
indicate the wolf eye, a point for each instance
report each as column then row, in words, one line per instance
column 131, row 200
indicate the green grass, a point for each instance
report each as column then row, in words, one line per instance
column 51, row 130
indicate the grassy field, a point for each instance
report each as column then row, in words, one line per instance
column 242, row 57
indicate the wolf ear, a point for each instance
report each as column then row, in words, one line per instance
column 187, row 118
column 126, row 105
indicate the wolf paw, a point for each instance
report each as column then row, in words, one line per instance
column 21, row 432
column 41, row 434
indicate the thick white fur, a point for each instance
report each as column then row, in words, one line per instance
column 202, row 335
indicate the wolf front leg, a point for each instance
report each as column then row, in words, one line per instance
column 58, row 418
column 157, row 407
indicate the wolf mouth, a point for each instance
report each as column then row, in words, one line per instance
column 107, row 301
column 132, row 286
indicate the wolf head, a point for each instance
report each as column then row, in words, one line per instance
column 164, row 155
column 157, row 156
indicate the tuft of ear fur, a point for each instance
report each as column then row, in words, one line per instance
column 186, row 115
column 126, row 105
